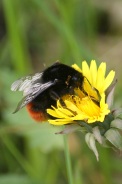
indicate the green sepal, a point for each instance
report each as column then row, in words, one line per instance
column 90, row 140
column 114, row 137
column 117, row 123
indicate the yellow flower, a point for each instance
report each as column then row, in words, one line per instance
column 95, row 76
column 88, row 104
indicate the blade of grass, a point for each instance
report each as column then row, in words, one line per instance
column 67, row 12
column 17, row 43
column 20, row 159
column 77, row 49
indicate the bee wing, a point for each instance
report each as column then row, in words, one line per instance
column 26, row 82
column 31, row 87
column 32, row 93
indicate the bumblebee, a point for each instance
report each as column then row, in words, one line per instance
column 42, row 90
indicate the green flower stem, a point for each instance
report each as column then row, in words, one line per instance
column 68, row 160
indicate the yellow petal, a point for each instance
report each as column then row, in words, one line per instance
column 101, row 77
column 109, row 79
column 72, row 107
column 86, row 71
column 93, row 71
column 52, row 113
column 79, row 117
column 66, row 112
column 60, row 113
column 60, row 121
column 76, row 67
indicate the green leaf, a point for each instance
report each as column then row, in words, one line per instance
column 114, row 137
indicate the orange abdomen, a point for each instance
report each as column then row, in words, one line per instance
column 36, row 115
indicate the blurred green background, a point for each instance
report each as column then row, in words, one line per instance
column 33, row 35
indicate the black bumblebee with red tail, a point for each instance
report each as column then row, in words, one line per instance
column 43, row 89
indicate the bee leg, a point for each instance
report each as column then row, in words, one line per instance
column 71, row 90
column 62, row 102
column 54, row 95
